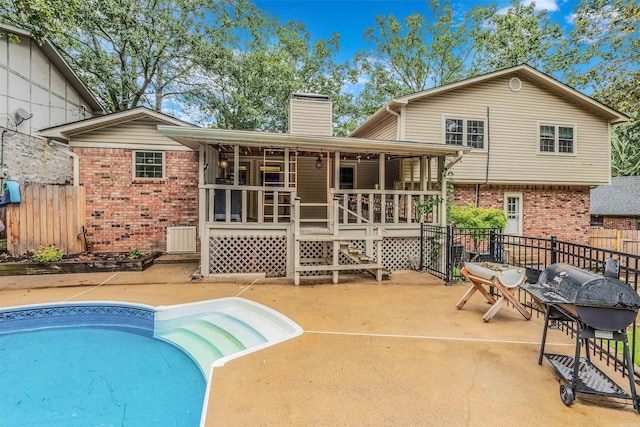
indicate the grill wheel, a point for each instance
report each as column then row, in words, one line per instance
column 566, row 395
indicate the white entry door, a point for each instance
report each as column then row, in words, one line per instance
column 513, row 211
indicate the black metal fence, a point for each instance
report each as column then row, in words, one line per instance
column 444, row 250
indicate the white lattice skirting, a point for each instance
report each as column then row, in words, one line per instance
column 268, row 254
column 248, row 254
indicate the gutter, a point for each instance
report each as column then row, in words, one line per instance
column 76, row 162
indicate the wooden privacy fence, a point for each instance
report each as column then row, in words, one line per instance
column 627, row 241
column 47, row 215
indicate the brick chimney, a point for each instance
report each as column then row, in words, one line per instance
column 310, row 114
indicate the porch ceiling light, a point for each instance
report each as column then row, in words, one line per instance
column 319, row 162
column 223, row 161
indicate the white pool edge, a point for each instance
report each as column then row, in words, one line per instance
column 170, row 311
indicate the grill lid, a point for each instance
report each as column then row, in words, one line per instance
column 583, row 287
column 604, row 303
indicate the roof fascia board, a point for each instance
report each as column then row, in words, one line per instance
column 65, row 131
column 193, row 137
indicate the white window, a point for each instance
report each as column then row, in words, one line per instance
column 148, row 164
column 513, row 211
column 557, row 139
column 465, row 132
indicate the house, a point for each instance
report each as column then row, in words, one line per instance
column 38, row 89
column 617, row 206
column 141, row 187
column 306, row 203
column 536, row 145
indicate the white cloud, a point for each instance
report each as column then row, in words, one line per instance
column 549, row 5
column 570, row 19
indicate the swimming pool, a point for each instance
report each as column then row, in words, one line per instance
column 108, row 363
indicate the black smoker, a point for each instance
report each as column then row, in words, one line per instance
column 601, row 307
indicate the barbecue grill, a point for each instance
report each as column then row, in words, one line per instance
column 600, row 307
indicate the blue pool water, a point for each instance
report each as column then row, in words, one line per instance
column 96, row 377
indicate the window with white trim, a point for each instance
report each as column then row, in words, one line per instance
column 513, row 211
column 148, row 164
column 557, row 139
column 464, row 132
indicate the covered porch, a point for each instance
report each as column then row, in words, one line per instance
column 294, row 205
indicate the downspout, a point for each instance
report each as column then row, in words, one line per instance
column 76, row 163
column 443, row 188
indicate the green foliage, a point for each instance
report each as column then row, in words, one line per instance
column 423, row 209
column 625, row 149
column 412, row 55
column 48, row 254
column 250, row 81
column 41, row 17
column 134, row 253
column 514, row 36
column 470, row 216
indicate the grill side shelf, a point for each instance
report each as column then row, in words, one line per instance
column 591, row 379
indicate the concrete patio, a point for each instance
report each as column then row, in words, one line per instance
column 375, row 354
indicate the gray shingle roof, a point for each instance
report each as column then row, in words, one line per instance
column 621, row 198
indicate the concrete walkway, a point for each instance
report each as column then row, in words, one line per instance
column 390, row 354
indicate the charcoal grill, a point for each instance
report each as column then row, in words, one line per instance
column 599, row 307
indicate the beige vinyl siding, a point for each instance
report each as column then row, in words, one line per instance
column 512, row 134
column 392, row 173
column 141, row 133
column 387, row 129
column 310, row 117
column 367, row 174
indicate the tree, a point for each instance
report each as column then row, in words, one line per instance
column 515, row 36
column 41, row 17
column 607, row 48
column 249, row 86
column 139, row 52
column 410, row 56
column 625, row 150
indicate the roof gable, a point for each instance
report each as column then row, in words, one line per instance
column 523, row 70
column 66, row 131
column 59, row 62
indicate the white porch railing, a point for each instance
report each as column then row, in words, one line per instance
column 387, row 206
column 245, row 203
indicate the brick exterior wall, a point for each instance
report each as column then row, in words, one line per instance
column 123, row 213
column 620, row 222
column 563, row 211
column 30, row 159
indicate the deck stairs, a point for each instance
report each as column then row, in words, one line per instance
column 362, row 258
column 340, row 243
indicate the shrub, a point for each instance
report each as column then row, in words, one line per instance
column 134, row 253
column 48, row 254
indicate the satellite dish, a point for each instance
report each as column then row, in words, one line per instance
column 22, row 115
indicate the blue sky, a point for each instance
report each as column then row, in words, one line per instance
column 350, row 18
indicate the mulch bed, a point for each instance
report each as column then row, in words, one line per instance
column 89, row 262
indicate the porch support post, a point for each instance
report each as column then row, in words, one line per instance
column 236, row 165
column 381, row 181
column 381, row 171
column 336, row 171
column 202, row 213
column 423, row 174
column 336, row 186
column 286, row 167
column 442, row 173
